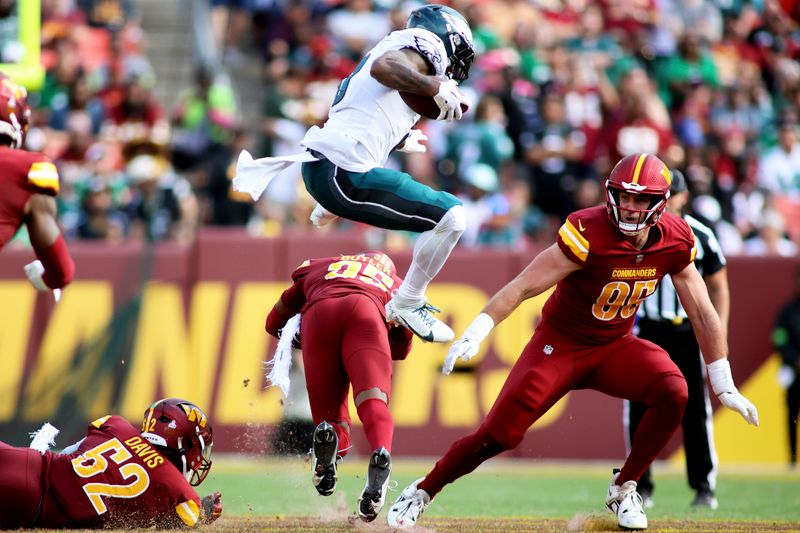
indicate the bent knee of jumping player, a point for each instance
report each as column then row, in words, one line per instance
column 453, row 221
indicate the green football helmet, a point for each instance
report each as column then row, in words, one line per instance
column 452, row 28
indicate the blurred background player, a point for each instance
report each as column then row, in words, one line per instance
column 28, row 187
column 786, row 337
column 346, row 340
column 368, row 119
column 118, row 476
column 605, row 261
column 663, row 320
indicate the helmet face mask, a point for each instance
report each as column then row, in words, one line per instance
column 181, row 431
column 454, row 31
column 15, row 113
column 640, row 175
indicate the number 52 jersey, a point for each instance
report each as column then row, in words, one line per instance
column 116, row 479
column 598, row 303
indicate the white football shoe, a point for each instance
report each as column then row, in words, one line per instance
column 420, row 321
column 626, row 503
column 407, row 508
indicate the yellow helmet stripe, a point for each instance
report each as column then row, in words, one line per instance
column 638, row 169
column 667, row 174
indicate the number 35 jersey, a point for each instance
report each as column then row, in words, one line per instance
column 117, row 479
column 334, row 277
column 598, row 303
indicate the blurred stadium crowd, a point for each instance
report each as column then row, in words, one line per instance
column 561, row 89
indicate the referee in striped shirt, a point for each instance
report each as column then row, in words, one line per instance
column 663, row 321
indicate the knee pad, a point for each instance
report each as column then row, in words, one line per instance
column 453, row 221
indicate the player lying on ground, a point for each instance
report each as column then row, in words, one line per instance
column 118, row 476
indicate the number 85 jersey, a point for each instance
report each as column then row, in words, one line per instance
column 116, row 479
column 598, row 303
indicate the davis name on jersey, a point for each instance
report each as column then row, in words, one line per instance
column 116, row 478
column 615, row 273
column 368, row 119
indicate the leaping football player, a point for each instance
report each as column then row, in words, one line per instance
column 343, row 167
column 605, row 261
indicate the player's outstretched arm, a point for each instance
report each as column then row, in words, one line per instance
column 709, row 331
column 54, row 268
column 546, row 269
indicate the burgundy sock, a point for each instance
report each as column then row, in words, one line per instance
column 464, row 456
column 663, row 416
column 378, row 425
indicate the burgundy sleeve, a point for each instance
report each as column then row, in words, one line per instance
column 291, row 301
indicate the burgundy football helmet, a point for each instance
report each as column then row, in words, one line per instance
column 15, row 113
column 382, row 259
column 640, row 174
column 183, row 434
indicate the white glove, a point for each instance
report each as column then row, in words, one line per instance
column 34, row 272
column 321, row 216
column 449, row 100
column 413, row 143
column 719, row 374
column 466, row 347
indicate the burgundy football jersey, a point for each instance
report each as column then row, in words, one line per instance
column 598, row 303
column 23, row 174
column 118, row 479
column 334, row 277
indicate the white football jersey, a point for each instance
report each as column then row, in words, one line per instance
column 367, row 119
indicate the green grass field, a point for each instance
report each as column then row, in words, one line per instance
column 265, row 493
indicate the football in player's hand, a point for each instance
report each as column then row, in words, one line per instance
column 425, row 105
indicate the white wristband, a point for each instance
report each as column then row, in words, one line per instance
column 479, row 328
column 719, row 374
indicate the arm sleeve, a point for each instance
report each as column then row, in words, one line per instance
column 290, row 303
column 59, row 268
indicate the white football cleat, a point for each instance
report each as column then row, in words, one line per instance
column 407, row 508
column 420, row 321
column 626, row 503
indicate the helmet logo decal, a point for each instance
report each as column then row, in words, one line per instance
column 633, row 186
column 429, row 50
column 172, row 424
column 194, row 415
